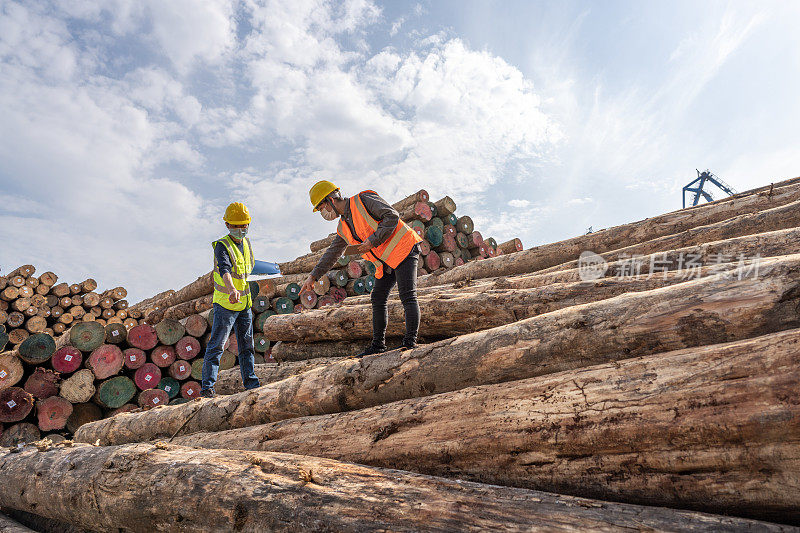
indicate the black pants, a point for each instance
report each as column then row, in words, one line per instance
column 405, row 275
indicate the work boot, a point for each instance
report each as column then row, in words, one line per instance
column 408, row 346
column 371, row 350
column 208, row 393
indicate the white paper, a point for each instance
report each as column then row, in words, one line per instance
column 189, row 392
column 165, row 355
column 148, row 377
column 67, row 357
column 115, row 333
column 133, row 358
column 155, row 400
column 12, row 404
column 188, row 348
column 167, row 388
column 3, row 374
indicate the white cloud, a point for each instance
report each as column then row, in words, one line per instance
column 141, row 121
column 519, row 203
column 396, row 25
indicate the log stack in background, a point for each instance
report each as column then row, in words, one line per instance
column 52, row 386
column 32, row 304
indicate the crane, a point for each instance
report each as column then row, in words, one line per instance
column 702, row 178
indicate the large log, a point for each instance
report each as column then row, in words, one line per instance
column 419, row 196
column 715, row 428
column 230, row 381
column 449, row 313
column 703, row 311
column 225, row 490
column 778, row 218
column 304, row 263
column 690, row 259
column 606, row 240
column 152, row 301
column 300, row 351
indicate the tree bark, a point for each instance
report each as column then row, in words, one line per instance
column 715, row 429
column 769, row 244
column 230, row 381
column 450, row 312
column 296, row 351
column 703, row 311
column 152, row 301
column 122, row 488
column 777, row 218
column 610, row 239
column 419, row 196
column 445, row 206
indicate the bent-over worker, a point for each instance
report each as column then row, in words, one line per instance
column 390, row 244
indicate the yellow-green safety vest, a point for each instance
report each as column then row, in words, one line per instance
column 242, row 264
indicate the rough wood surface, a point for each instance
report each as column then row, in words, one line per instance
column 300, row 351
column 715, row 428
column 304, row 263
column 549, row 255
column 230, row 381
column 123, row 488
column 151, row 302
column 704, row 311
column 450, row 313
column 778, row 218
column 712, row 254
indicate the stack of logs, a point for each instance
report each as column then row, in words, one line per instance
column 448, row 241
column 52, row 386
column 664, row 381
column 38, row 304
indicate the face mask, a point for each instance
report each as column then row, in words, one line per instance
column 328, row 213
column 238, row 233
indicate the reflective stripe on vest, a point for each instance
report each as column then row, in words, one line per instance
column 392, row 251
column 242, row 265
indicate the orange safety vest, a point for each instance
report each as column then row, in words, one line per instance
column 392, row 251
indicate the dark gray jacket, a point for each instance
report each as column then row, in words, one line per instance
column 380, row 210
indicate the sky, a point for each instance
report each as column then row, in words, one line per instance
column 126, row 127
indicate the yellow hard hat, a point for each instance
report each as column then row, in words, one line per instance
column 237, row 213
column 319, row 191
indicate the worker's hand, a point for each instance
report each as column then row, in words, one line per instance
column 365, row 247
column 234, row 296
column 308, row 284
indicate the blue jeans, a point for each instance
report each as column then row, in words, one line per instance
column 242, row 323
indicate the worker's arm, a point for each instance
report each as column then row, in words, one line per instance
column 235, row 296
column 326, row 262
column 225, row 266
column 386, row 215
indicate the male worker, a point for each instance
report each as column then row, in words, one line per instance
column 233, row 262
column 369, row 221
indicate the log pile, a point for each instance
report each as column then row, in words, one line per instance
column 638, row 391
column 31, row 304
column 50, row 387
